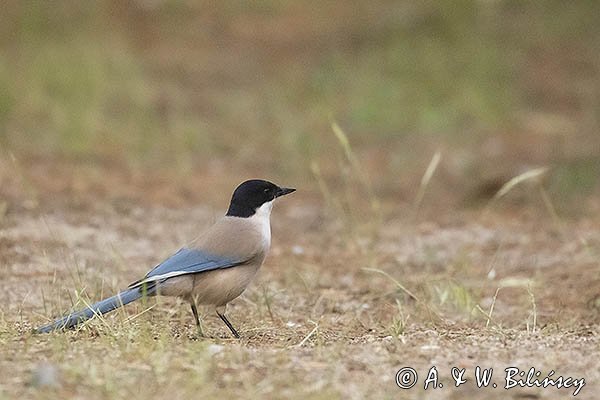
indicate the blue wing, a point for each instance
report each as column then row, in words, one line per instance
column 187, row 261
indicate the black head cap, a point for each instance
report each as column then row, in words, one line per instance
column 252, row 194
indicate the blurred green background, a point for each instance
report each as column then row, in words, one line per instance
column 498, row 87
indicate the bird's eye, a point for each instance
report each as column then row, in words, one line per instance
column 267, row 190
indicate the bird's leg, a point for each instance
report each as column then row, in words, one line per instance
column 221, row 315
column 195, row 312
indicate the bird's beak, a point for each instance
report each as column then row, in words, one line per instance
column 283, row 191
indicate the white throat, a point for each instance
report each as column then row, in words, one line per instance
column 262, row 218
column 264, row 211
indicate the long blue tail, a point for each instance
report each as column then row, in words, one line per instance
column 101, row 307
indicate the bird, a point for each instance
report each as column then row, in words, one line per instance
column 213, row 269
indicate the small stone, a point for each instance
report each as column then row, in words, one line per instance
column 45, row 375
column 297, row 250
column 214, row 349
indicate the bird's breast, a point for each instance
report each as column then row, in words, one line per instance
column 219, row 287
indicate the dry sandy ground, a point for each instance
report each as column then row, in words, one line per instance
column 316, row 323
